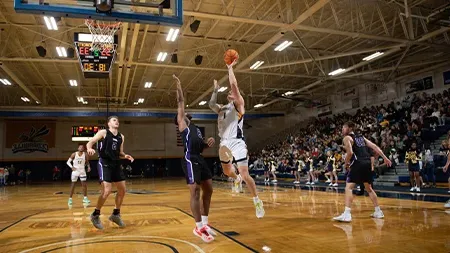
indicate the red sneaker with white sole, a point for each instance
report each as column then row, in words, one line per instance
column 210, row 230
column 202, row 233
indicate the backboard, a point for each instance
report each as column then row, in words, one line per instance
column 161, row 12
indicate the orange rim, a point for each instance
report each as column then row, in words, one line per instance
column 93, row 23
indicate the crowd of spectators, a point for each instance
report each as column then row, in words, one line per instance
column 393, row 127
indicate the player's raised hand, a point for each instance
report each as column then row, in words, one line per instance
column 176, row 79
column 232, row 64
column 216, row 85
column 91, row 151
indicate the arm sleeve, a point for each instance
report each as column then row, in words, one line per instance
column 69, row 163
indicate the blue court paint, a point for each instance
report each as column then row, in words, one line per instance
column 90, row 13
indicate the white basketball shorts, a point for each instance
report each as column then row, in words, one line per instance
column 238, row 150
column 79, row 174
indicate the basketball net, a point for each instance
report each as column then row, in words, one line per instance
column 102, row 34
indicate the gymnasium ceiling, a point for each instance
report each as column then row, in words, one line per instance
column 326, row 35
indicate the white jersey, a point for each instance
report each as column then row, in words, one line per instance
column 230, row 123
column 80, row 161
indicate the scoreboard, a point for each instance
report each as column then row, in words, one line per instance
column 85, row 133
column 94, row 63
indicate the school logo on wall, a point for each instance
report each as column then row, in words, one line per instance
column 32, row 141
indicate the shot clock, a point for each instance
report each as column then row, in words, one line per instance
column 94, row 63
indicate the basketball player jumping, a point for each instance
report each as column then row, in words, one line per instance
column 80, row 160
column 110, row 153
column 232, row 145
column 358, row 162
column 198, row 174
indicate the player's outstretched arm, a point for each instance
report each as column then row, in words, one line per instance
column 213, row 101
column 180, row 100
column 239, row 100
column 378, row 150
column 100, row 135
column 349, row 150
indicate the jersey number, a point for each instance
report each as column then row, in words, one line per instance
column 79, row 161
column 114, row 146
column 224, row 115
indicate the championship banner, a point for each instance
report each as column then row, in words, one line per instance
column 349, row 94
column 446, row 77
column 324, row 110
column 419, row 85
column 23, row 136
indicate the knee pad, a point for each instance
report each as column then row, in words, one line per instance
column 225, row 155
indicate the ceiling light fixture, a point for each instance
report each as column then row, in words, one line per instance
column 61, row 51
column 283, row 46
column 257, row 64
column 148, row 85
column 373, row 56
column 162, row 56
column 202, row 103
column 73, row 83
column 172, row 35
column 258, row 105
column 50, row 22
column 336, row 72
column 222, row 89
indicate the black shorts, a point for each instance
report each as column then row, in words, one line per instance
column 195, row 169
column 415, row 167
column 110, row 171
column 360, row 172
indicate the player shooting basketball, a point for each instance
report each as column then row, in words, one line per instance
column 232, row 145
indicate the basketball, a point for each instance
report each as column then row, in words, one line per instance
column 230, row 55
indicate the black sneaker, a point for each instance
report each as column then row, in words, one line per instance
column 116, row 219
column 95, row 219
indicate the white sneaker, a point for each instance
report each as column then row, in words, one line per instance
column 328, row 181
column 238, row 184
column 412, row 189
column 274, row 181
column 447, row 205
column 335, row 184
column 377, row 215
column 202, row 233
column 295, row 182
column 308, row 182
column 259, row 209
column 210, row 230
column 312, row 183
column 417, row 189
column 344, row 217
column 331, row 184
column 448, row 192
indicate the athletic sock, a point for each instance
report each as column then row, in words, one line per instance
column 96, row 212
column 377, row 209
column 116, row 211
column 199, row 225
column 347, row 210
column 205, row 220
column 255, row 199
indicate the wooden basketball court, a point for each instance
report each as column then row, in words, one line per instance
column 37, row 219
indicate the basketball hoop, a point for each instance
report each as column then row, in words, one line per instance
column 102, row 34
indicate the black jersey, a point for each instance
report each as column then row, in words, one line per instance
column 360, row 149
column 193, row 140
column 110, row 146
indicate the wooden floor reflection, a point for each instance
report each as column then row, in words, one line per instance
column 36, row 219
